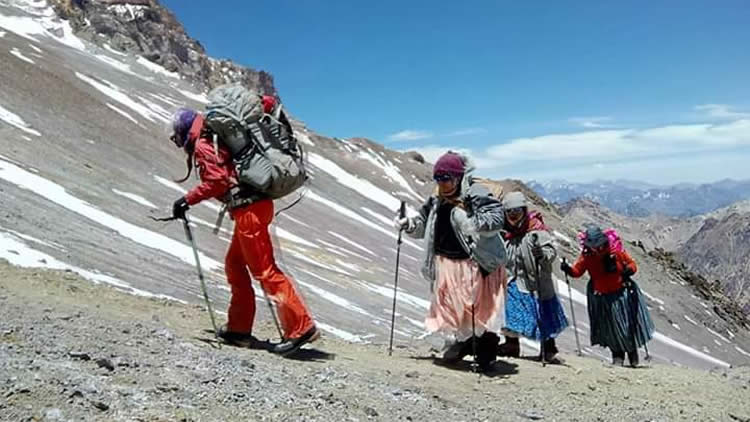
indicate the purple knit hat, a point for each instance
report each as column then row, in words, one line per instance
column 181, row 121
column 449, row 163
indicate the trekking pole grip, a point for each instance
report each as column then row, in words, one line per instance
column 402, row 214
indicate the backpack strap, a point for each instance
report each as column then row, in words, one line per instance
column 216, row 145
column 220, row 219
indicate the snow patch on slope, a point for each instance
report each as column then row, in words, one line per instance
column 20, row 55
column 122, row 113
column 14, row 120
column 57, row 194
column 201, row 98
column 362, row 186
column 136, row 198
column 20, row 254
column 113, row 91
column 391, row 171
column 43, row 23
column 156, row 68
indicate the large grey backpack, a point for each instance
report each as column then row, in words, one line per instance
column 266, row 154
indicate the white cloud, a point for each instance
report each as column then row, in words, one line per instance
column 696, row 168
column 721, row 111
column 604, row 145
column 714, row 148
column 593, row 122
column 467, row 131
column 432, row 152
column 410, row 135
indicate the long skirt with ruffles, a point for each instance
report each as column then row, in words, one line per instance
column 460, row 284
column 619, row 320
column 522, row 310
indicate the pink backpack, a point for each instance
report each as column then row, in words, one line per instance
column 615, row 243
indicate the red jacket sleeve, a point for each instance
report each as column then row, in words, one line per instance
column 215, row 178
column 579, row 267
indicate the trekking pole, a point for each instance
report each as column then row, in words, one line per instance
column 273, row 313
column 572, row 311
column 401, row 214
column 538, row 305
column 189, row 234
column 474, row 363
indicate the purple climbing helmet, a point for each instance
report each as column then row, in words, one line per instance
column 180, row 123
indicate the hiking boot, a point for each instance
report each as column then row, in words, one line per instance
column 633, row 359
column 618, row 358
column 291, row 345
column 235, row 338
column 487, row 351
column 457, row 351
column 550, row 350
column 511, row 348
column 486, row 366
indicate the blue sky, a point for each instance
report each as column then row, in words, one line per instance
column 656, row 91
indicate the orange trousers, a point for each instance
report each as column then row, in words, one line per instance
column 251, row 249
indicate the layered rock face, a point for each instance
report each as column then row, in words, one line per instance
column 145, row 28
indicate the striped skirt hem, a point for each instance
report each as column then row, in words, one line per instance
column 619, row 320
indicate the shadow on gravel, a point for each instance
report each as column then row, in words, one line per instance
column 312, row 355
column 253, row 344
column 499, row 368
column 305, row 354
column 557, row 361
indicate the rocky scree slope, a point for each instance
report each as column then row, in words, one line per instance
column 721, row 250
column 71, row 350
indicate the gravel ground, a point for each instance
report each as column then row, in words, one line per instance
column 74, row 351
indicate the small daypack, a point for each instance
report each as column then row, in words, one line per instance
column 495, row 188
column 615, row 242
column 265, row 152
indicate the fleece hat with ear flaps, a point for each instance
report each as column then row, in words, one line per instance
column 449, row 163
column 595, row 237
column 514, row 200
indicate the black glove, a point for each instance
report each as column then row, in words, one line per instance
column 179, row 208
column 610, row 263
column 564, row 267
column 627, row 272
column 468, row 202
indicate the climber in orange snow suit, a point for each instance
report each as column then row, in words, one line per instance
column 251, row 248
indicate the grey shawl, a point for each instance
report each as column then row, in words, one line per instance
column 521, row 264
column 477, row 227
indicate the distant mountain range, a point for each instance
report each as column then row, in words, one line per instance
column 640, row 199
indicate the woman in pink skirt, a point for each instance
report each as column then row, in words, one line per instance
column 465, row 259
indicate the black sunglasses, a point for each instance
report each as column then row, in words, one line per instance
column 443, row 177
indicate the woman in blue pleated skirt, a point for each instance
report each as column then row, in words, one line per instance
column 532, row 308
